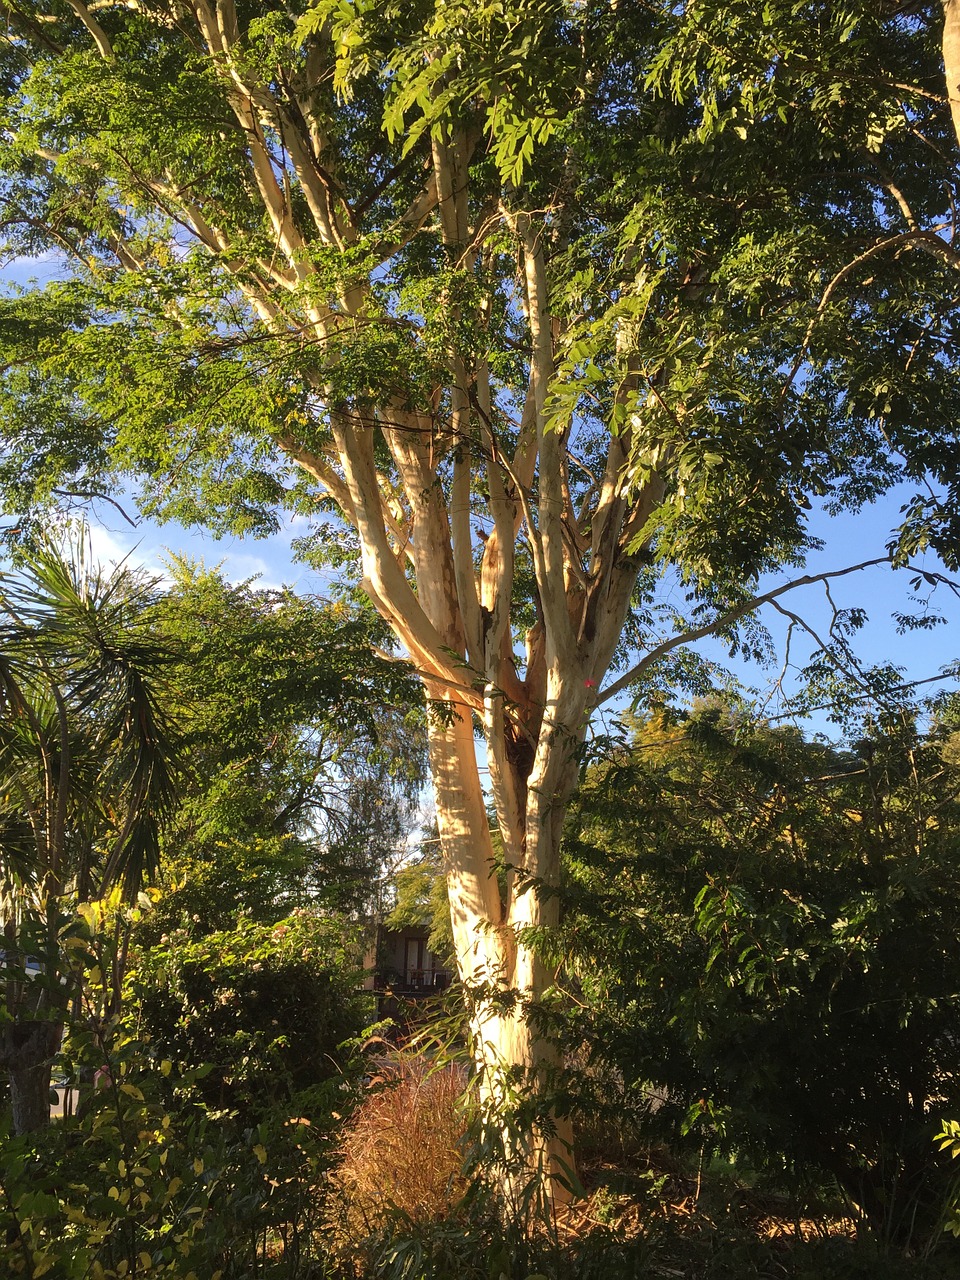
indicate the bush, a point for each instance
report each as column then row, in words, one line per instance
column 764, row 933
column 132, row 1187
column 265, row 1009
column 401, row 1154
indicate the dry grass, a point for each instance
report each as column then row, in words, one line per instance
column 401, row 1152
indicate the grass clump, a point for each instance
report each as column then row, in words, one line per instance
column 401, row 1155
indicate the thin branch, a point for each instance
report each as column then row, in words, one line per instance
column 925, row 239
column 851, row 669
column 725, row 619
column 888, row 184
column 867, row 695
column 93, row 495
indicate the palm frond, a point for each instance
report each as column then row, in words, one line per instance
column 88, row 755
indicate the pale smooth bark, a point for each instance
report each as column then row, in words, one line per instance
column 951, row 58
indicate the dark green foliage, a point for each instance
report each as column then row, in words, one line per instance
column 306, row 754
column 476, row 1245
column 763, row 933
column 265, row 1010
column 136, row 1186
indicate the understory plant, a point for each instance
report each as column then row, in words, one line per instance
column 269, row 1011
column 759, row 935
column 401, row 1155
column 206, row 1080
column 133, row 1186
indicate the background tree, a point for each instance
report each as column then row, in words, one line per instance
column 419, row 899
column 544, row 302
column 306, row 754
column 88, row 767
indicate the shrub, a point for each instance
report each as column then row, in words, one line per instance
column 762, row 931
column 264, row 1008
column 401, row 1153
column 132, row 1187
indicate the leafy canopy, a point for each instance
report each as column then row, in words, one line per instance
column 746, row 215
column 760, row 931
column 305, row 752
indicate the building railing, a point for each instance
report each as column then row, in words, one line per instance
column 420, row 980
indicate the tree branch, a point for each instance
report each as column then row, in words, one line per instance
column 100, row 37
column 725, row 619
column 922, row 238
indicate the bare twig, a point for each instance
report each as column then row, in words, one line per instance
column 725, row 619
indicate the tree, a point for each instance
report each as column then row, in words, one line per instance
column 761, row 930
column 88, row 770
column 305, row 749
column 420, row 900
column 544, row 302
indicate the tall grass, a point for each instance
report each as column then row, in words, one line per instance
column 401, row 1154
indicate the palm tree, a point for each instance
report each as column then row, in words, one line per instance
column 88, row 774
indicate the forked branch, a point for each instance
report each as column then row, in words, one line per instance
column 727, row 619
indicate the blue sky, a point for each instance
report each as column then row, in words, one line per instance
column 269, row 560
column 850, row 538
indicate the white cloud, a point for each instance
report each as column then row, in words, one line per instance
column 151, row 547
column 109, row 547
column 112, row 547
column 238, row 566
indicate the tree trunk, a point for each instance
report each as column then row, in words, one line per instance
column 520, row 1077
column 951, row 58
column 504, row 976
column 27, row 1050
